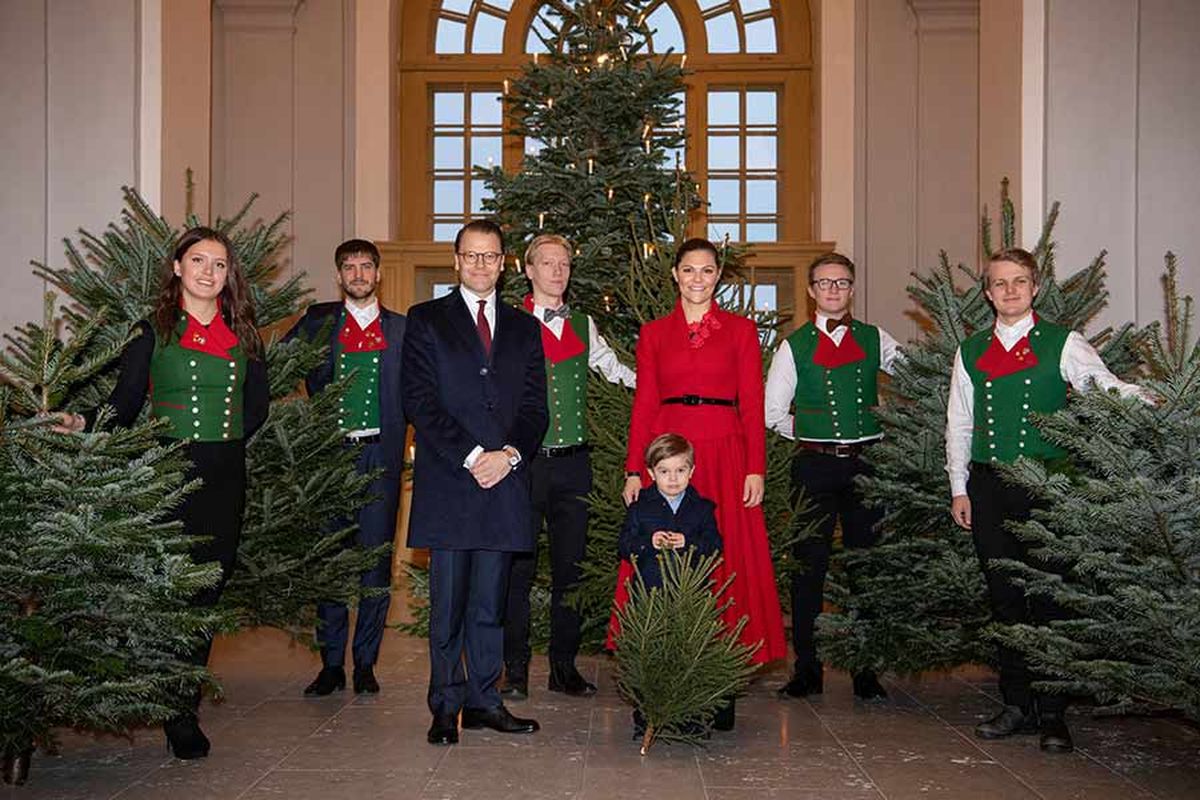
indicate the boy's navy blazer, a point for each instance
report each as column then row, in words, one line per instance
column 391, row 410
column 695, row 519
column 458, row 397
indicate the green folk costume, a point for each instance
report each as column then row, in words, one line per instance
column 1028, row 382
column 566, row 388
column 836, row 385
column 357, row 350
column 200, row 393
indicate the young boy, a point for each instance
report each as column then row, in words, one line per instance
column 675, row 517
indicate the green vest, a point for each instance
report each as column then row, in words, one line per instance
column 1003, row 431
column 360, row 403
column 566, row 393
column 200, row 394
column 836, row 404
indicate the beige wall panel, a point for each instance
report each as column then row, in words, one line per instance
column 1000, row 101
column 186, row 106
column 322, row 207
column 1168, row 150
column 1091, row 129
column 948, row 142
column 22, row 157
column 889, row 218
column 374, row 90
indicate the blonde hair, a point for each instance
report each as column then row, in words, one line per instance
column 543, row 239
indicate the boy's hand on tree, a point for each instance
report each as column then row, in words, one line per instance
column 960, row 509
column 678, row 540
column 66, row 422
column 661, row 540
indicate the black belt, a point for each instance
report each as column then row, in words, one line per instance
column 697, row 400
column 834, row 448
column 564, row 450
column 374, row 438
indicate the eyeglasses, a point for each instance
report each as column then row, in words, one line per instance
column 489, row 259
column 825, row 284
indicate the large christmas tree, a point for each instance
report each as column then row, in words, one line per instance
column 300, row 479
column 918, row 601
column 1122, row 531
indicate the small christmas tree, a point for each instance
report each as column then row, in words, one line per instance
column 299, row 478
column 95, row 628
column 1122, row 533
column 676, row 661
column 918, row 602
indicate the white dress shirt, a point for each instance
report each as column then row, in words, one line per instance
column 364, row 317
column 600, row 356
column 1080, row 365
column 781, row 379
column 489, row 312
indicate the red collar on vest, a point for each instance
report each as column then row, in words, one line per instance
column 996, row 362
column 214, row 339
column 831, row 355
column 361, row 340
column 555, row 348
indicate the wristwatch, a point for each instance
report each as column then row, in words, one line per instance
column 514, row 456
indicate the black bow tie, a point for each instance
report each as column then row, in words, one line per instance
column 832, row 325
column 548, row 314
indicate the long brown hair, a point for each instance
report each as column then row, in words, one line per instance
column 236, row 308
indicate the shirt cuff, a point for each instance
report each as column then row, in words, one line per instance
column 469, row 461
column 958, row 485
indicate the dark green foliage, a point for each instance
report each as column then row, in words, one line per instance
column 1122, row 533
column 94, row 580
column 919, row 600
column 676, row 662
column 299, row 477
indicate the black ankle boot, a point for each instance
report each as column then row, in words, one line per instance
column 184, row 737
column 565, row 678
column 516, row 681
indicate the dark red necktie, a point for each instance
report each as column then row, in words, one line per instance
column 481, row 325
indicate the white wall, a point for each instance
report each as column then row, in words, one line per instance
column 1121, row 144
column 71, row 76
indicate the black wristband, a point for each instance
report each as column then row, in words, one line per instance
column 633, row 474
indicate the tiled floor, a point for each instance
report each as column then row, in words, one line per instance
column 270, row 742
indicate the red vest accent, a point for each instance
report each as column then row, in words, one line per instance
column 832, row 355
column 556, row 349
column 996, row 362
column 215, row 339
column 354, row 339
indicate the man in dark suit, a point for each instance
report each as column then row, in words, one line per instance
column 475, row 390
column 364, row 339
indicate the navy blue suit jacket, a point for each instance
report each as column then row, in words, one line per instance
column 391, row 410
column 695, row 519
column 457, row 398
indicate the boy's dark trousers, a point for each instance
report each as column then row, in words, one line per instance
column 993, row 504
column 827, row 481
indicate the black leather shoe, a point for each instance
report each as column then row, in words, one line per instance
column 516, row 681
column 724, row 719
column 867, row 686
column 565, row 678
column 807, row 679
column 498, row 719
column 364, row 681
column 444, row 729
column 16, row 766
column 1056, row 738
column 328, row 680
column 1011, row 721
column 185, row 740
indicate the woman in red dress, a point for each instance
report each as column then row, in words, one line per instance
column 700, row 375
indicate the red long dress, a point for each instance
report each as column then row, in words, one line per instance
column 722, row 361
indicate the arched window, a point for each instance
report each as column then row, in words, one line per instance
column 748, row 111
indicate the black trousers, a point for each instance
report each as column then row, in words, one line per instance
column 376, row 526
column 994, row 503
column 215, row 511
column 828, row 483
column 559, row 486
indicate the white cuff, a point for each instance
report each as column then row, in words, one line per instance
column 469, row 461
